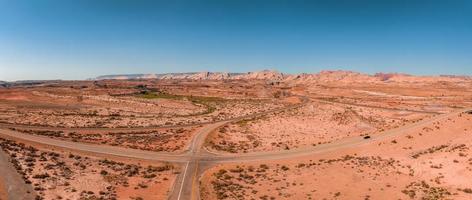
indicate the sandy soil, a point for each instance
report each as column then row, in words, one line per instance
column 47, row 108
column 431, row 162
column 436, row 98
column 59, row 175
column 3, row 190
column 164, row 139
column 314, row 124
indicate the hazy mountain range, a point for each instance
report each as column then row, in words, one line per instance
column 323, row 76
column 338, row 76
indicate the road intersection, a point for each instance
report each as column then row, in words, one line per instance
column 196, row 159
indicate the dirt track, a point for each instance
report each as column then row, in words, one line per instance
column 205, row 156
column 14, row 185
column 375, row 107
column 186, row 186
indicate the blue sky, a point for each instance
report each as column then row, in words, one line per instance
column 57, row 39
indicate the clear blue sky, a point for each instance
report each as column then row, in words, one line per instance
column 51, row 39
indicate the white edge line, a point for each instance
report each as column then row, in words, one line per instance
column 183, row 180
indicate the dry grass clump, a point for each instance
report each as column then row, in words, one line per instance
column 61, row 176
column 168, row 140
column 422, row 190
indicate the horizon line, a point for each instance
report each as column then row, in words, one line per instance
column 235, row 72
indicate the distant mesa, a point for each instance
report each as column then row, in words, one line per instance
column 3, row 84
column 265, row 74
column 326, row 76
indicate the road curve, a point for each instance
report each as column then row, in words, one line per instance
column 336, row 145
column 197, row 142
column 185, row 185
column 121, row 129
column 189, row 184
column 194, row 145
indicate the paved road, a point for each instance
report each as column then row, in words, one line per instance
column 336, row 145
column 186, row 186
column 129, row 129
column 194, row 150
column 15, row 186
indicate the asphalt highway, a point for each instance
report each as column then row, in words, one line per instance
column 195, row 159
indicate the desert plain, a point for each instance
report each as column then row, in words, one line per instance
column 257, row 135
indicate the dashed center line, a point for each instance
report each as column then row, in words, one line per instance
column 183, row 181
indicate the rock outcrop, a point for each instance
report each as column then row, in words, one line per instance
column 323, row 77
